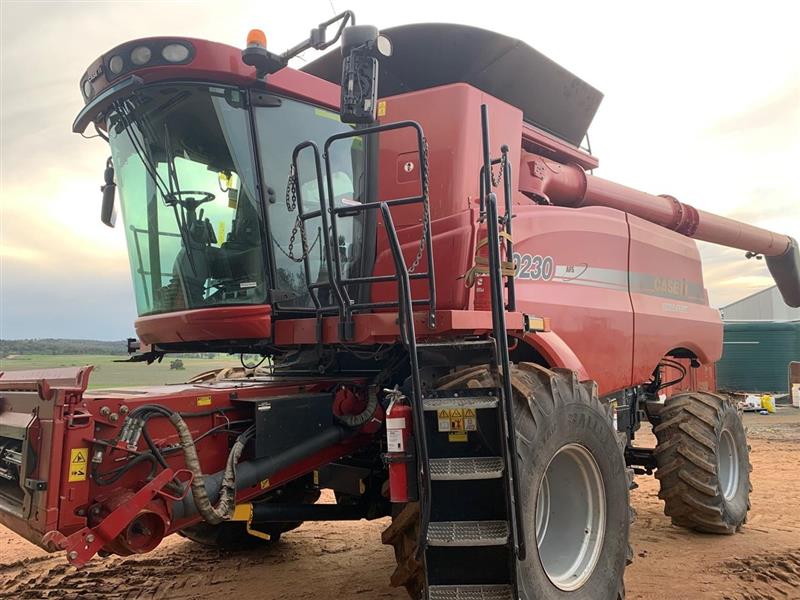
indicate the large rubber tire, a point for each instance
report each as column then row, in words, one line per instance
column 703, row 463
column 233, row 535
column 553, row 411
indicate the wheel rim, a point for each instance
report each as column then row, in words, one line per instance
column 570, row 517
column 728, row 458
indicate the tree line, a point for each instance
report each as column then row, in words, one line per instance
column 56, row 346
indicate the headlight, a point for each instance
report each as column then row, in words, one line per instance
column 175, row 53
column 116, row 64
column 88, row 89
column 141, row 55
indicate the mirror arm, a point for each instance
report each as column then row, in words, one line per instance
column 317, row 38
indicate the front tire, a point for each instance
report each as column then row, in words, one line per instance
column 703, row 463
column 576, row 534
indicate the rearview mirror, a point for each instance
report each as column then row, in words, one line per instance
column 361, row 44
column 108, row 210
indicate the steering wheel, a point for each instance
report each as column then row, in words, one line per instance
column 186, row 198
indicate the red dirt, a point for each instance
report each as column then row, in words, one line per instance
column 347, row 562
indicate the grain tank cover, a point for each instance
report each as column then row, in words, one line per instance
column 433, row 54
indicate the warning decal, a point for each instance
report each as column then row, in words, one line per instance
column 78, row 461
column 456, row 419
column 444, row 420
column 470, row 420
column 457, row 422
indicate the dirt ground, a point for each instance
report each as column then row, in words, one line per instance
column 347, row 561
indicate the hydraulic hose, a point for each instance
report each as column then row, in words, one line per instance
column 249, row 473
column 227, row 488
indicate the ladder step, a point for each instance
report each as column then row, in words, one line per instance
column 475, row 402
column 470, row 592
column 467, row 468
column 468, row 533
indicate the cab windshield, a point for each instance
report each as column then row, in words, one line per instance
column 184, row 166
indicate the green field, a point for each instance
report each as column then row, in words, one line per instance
column 108, row 373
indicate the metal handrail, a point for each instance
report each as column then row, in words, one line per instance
column 346, row 315
column 407, row 331
column 501, row 341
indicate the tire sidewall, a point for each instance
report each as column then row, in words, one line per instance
column 735, row 509
column 573, row 423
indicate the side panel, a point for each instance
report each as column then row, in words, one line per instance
column 450, row 118
column 573, row 270
column 669, row 299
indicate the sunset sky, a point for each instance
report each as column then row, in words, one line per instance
column 702, row 101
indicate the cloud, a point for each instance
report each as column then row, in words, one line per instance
column 773, row 121
column 711, row 120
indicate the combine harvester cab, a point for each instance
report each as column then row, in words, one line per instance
column 464, row 328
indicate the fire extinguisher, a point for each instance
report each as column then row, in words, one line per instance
column 402, row 479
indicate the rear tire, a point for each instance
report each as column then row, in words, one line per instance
column 564, row 431
column 703, row 463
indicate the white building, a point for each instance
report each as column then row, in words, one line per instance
column 766, row 305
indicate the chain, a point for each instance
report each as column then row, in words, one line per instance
column 426, row 216
column 496, row 180
column 299, row 226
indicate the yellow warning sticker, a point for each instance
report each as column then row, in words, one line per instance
column 264, row 483
column 382, row 108
column 78, row 461
column 470, row 420
column 444, row 420
column 204, row 401
column 456, row 419
column 459, row 436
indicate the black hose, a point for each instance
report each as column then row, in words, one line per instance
column 115, row 475
column 250, row 472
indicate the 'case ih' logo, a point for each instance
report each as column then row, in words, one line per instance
column 95, row 74
column 673, row 287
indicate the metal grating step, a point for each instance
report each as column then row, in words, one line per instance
column 466, row 468
column 470, row 592
column 475, row 402
column 468, row 533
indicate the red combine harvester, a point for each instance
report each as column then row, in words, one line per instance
column 460, row 327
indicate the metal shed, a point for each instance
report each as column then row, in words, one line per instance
column 756, row 356
column 765, row 305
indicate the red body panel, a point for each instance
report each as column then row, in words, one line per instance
column 669, row 300
column 232, row 323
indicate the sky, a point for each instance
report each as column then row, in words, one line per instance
column 702, row 101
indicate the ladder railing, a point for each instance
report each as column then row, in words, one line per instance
column 348, row 306
column 322, row 214
column 501, row 335
column 409, row 339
